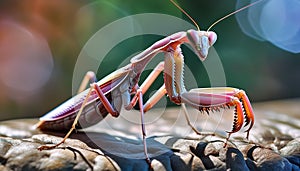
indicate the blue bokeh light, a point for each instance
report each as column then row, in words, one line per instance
column 276, row 21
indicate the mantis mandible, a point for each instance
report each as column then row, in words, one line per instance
column 121, row 89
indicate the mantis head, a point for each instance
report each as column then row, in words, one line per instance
column 201, row 41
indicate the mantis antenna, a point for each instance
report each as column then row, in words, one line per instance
column 219, row 20
column 182, row 10
column 234, row 12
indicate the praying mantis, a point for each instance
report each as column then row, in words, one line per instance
column 121, row 89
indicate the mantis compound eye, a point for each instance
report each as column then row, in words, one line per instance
column 212, row 37
column 200, row 43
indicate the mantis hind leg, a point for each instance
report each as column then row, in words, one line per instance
column 90, row 76
column 48, row 147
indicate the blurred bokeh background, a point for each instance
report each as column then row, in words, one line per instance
column 40, row 41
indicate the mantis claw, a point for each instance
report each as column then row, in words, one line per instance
column 212, row 99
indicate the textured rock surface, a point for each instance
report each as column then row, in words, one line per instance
column 274, row 143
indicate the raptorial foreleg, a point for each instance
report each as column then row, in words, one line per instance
column 207, row 99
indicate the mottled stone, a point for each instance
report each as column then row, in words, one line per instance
column 25, row 156
column 267, row 159
column 274, row 144
column 292, row 147
column 233, row 158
